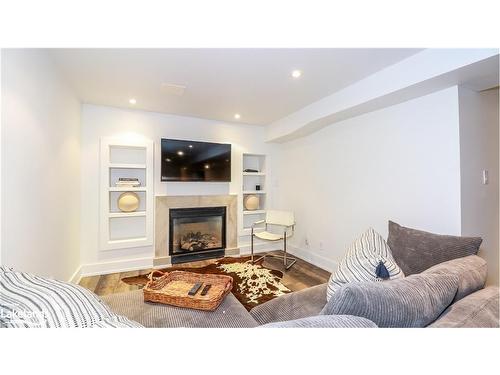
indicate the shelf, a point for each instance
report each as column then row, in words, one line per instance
column 254, row 174
column 116, row 188
column 254, row 212
column 127, row 214
column 127, row 166
column 254, row 192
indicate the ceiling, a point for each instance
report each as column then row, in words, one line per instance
column 255, row 83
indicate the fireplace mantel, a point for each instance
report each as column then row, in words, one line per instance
column 165, row 203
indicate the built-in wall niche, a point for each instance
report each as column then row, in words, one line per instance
column 127, row 228
column 127, row 155
column 116, row 173
column 253, row 184
column 126, row 160
column 115, row 195
column 254, row 161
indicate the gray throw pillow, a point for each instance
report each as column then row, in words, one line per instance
column 415, row 250
column 414, row 301
column 324, row 321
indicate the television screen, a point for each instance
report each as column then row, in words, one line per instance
column 195, row 161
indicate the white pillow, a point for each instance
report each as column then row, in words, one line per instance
column 361, row 260
column 32, row 301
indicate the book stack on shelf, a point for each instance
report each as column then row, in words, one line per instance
column 128, row 182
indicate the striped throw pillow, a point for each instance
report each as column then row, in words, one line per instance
column 361, row 260
column 31, row 301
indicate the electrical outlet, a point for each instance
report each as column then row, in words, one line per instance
column 321, row 245
column 307, row 242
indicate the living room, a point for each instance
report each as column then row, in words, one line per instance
column 250, row 187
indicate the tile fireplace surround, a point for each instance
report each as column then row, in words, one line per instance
column 164, row 203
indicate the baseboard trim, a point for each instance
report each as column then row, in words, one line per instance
column 313, row 258
column 104, row 268
column 77, row 276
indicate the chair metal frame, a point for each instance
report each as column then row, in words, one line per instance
column 285, row 257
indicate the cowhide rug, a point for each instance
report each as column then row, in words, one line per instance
column 253, row 284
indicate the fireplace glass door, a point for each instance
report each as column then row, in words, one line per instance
column 194, row 230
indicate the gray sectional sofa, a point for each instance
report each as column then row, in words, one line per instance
column 464, row 303
column 449, row 294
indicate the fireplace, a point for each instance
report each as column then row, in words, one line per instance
column 196, row 233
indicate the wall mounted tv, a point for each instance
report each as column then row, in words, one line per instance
column 195, row 161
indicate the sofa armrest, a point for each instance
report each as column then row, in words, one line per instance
column 471, row 272
column 302, row 304
column 477, row 310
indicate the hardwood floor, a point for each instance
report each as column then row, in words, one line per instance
column 302, row 275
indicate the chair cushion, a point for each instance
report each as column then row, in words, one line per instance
column 361, row 260
column 268, row 236
column 413, row 301
column 324, row 321
column 415, row 250
column 31, row 301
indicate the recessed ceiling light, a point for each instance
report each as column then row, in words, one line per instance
column 190, row 146
column 180, row 153
column 132, row 101
column 237, row 116
column 207, row 166
column 296, row 73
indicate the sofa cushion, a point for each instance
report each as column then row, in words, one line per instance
column 116, row 322
column 361, row 261
column 230, row 313
column 301, row 304
column 477, row 310
column 413, row 301
column 471, row 272
column 325, row 321
column 32, row 301
column 415, row 250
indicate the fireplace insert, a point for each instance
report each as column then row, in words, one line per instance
column 196, row 233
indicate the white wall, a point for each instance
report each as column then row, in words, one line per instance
column 40, row 166
column 399, row 163
column 478, row 152
column 100, row 121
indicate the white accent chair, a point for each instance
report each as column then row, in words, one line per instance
column 283, row 219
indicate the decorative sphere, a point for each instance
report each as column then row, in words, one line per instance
column 128, row 202
column 251, row 202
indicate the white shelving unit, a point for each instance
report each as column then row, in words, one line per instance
column 121, row 230
column 249, row 181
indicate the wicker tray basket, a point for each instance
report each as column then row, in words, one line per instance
column 172, row 288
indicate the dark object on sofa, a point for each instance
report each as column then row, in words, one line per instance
column 415, row 250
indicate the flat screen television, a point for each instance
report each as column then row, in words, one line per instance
column 195, row 161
